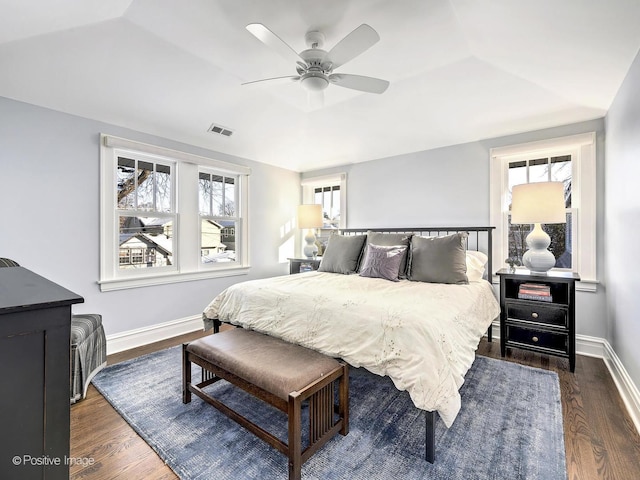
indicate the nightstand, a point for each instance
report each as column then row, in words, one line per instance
column 540, row 326
column 297, row 265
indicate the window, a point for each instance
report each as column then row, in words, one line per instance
column 219, row 221
column 329, row 198
column 570, row 160
column 145, row 211
column 549, row 169
column 330, row 191
column 169, row 216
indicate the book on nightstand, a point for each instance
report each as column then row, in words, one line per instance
column 535, row 291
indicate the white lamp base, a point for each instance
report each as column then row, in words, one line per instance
column 538, row 259
column 310, row 250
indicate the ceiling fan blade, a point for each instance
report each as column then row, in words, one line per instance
column 273, row 41
column 291, row 78
column 358, row 41
column 359, row 82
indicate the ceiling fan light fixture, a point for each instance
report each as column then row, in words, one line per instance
column 314, row 82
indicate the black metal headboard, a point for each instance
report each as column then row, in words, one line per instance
column 480, row 238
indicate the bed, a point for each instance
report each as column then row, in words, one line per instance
column 411, row 304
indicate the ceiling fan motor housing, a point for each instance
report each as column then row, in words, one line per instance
column 315, row 77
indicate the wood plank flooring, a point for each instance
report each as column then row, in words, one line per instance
column 600, row 439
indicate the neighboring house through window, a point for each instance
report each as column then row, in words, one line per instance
column 570, row 160
column 169, row 216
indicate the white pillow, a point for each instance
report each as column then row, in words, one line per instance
column 476, row 262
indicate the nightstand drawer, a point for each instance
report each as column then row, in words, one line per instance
column 534, row 338
column 537, row 313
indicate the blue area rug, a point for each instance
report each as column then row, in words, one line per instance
column 510, row 426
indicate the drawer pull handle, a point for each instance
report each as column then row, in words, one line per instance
column 535, row 339
column 534, row 315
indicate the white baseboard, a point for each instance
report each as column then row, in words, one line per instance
column 601, row 348
column 154, row 333
column 628, row 390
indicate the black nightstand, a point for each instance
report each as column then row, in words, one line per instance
column 297, row 265
column 545, row 327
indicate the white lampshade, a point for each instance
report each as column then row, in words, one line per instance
column 309, row 216
column 541, row 202
column 538, row 203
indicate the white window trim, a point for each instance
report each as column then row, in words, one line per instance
column 187, row 269
column 583, row 147
column 309, row 184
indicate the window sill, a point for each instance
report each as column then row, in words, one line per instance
column 149, row 281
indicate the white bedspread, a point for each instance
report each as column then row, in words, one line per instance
column 422, row 335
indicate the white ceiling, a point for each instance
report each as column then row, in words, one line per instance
column 460, row 70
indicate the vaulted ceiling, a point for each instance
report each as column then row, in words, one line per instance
column 459, row 70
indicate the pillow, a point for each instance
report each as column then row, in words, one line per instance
column 439, row 259
column 383, row 261
column 476, row 262
column 342, row 254
column 391, row 239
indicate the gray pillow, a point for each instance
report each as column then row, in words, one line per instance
column 342, row 254
column 383, row 261
column 438, row 259
column 389, row 239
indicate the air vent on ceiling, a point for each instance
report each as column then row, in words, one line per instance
column 220, row 130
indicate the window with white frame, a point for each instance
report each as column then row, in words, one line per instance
column 330, row 191
column 169, row 216
column 329, row 197
column 218, row 216
column 570, row 160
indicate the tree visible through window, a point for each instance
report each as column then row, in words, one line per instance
column 145, row 216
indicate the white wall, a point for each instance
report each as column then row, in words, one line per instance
column 450, row 186
column 622, row 224
column 49, row 201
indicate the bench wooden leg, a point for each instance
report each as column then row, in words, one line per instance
column 295, row 436
column 186, row 375
column 343, row 406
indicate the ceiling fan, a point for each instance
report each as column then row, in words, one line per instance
column 316, row 66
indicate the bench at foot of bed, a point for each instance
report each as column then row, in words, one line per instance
column 279, row 373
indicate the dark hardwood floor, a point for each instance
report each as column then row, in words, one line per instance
column 600, row 440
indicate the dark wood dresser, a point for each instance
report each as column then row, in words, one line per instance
column 35, row 325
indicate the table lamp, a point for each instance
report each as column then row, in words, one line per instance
column 310, row 217
column 536, row 203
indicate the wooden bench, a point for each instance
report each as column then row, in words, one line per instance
column 283, row 375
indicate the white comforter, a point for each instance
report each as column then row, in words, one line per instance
column 422, row 335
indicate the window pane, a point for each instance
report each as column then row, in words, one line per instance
column 145, row 242
column 217, row 194
column 335, row 211
column 229, row 197
column 561, row 171
column 217, row 241
column 163, row 188
column 561, row 238
column 539, row 170
column 126, row 178
column 145, row 190
column 517, row 176
column 204, row 193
